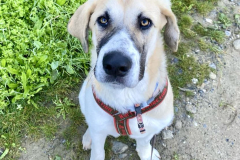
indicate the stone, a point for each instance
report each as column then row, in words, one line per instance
column 228, row 33
column 197, row 50
column 194, row 80
column 213, row 66
column 236, row 44
column 212, row 75
column 178, row 124
column 209, row 20
column 190, row 108
column 167, row 134
column 121, row 156
column 119, row 147
column 195, row 123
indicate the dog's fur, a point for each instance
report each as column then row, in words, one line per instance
column 146, row 51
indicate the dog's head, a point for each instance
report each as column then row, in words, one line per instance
column 124, row 35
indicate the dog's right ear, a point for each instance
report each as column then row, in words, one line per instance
column 79, row 23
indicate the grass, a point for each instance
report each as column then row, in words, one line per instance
column 42, row 67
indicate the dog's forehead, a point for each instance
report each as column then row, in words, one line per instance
column 128, row 8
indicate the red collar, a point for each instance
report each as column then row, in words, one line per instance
column 121, row 121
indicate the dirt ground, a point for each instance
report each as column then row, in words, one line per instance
column 210, row 133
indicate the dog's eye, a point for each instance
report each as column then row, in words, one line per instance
column 103, row 21
column 145, row 23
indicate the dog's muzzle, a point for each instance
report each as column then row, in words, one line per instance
column 115, row 64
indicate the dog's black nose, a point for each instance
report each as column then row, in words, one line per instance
column 116, row 64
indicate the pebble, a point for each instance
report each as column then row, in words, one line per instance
column 209, row 20
column 194, row 80
column 180, row 71
column 236, row 44
column 213, row 66
column 167, row 134
column 119, row 147
column 212, row 75
column 190, row 108
column 175, row 60
column 195, row 123
column 178, row 124
column 197, row 50
column 164, row 145
column 228, row 33
column 121, row 156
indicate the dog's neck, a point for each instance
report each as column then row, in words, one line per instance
column 123, row 99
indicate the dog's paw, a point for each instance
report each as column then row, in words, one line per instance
column 147, row 155
column 86, row 141
column 155, row 155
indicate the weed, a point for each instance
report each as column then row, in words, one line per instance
column 185, row 21
column 61, row 106
column 186, row 69
column 209, row 32
column 224, row 20
column 237, row 18
column 175, row 156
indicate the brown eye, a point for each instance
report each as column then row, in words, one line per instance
column 145, row 22
column 103, row 20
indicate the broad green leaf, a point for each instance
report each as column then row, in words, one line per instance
column 54, row 76
column 3, row 62
column 38, row 24
column 61, row 2
column 24, row 80
column 12, row 70
column 70, row 69
column 29, row 72
column 37, row 44
column 12, row 85
column 42, row 58
column 17, row 97
column 54, row 65
column 4, row 153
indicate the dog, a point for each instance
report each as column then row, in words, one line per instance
column 128, row 71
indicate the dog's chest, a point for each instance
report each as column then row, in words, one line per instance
column 101, row 121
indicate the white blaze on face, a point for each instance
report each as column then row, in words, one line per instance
column 121, row 42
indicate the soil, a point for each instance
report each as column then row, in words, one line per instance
column 210, row 133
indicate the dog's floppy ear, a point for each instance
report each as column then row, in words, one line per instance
column 78, row 24
column 171, row 33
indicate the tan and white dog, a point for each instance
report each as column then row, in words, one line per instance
column 127, row 61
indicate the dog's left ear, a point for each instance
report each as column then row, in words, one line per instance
column 171, row 33
column 79, row 23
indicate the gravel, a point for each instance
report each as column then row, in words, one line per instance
column 190, row 108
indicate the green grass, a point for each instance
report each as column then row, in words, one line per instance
column 41, row 65
column 35, row 48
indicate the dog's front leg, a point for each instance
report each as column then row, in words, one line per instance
column 98, row 141
column 144, row 149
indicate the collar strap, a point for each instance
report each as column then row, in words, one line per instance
column 121, row 121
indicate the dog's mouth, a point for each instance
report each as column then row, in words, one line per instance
column 115, row 82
